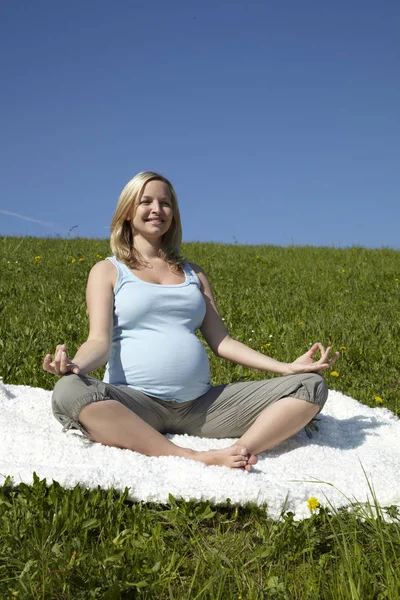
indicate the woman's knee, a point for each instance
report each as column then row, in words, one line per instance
column 63, row 391
column 59, row 401
column 318, row 389
column 71, row 393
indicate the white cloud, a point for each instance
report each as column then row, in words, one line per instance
column 25, row 218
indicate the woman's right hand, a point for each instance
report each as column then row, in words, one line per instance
column 61, row 365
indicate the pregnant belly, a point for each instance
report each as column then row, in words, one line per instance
column 171, row 367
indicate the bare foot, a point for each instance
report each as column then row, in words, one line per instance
column 234, row 457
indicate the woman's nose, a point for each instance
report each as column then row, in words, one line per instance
column 156, row 206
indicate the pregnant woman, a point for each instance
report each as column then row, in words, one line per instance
column 145, row 304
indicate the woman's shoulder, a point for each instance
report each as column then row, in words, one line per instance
column 199, row 272
column 196, row 268
column 104, row 270
column 104, row 266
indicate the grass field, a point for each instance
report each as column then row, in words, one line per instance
column 75, row 544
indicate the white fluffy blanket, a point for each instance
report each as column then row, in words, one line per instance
column 355, row 447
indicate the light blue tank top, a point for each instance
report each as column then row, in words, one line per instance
column 154, row 345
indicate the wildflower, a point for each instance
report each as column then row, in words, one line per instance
column 37, row 258
column 99, row 256
column 396, row 278
column 257, row 257
column 343, row 348
column 343, row 270
column 300, row 323
column 334, row 374
column 73, row 260
column 265, row 345
column 81, row 259
column 378, row 399
column 313, row 503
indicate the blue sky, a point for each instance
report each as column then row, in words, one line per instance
column 277, row 122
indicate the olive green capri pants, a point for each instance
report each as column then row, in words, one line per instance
column 224, row 411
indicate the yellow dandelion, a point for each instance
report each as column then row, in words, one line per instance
column 81, row 259
column 343, row 270
column 37, row 258
column 257, row 257
column 73, row 260
column 396, row 278
column 313, row 503
column 99, row 256
column 378, row 399
column 343, row 348
column 334, row 374
column 300, row 323
column 265, row 345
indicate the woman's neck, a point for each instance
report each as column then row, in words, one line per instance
column 148, row 249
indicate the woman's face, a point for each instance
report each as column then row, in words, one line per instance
column 153, row 216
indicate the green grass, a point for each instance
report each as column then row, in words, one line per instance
column 57, row 543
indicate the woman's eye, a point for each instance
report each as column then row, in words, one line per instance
column 162, row 203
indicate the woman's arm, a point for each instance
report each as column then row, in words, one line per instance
column 224, row 346
column 93, row 353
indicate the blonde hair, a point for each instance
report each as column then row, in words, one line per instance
column 121, row 239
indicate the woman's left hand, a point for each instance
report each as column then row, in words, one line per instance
column 307, row 364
